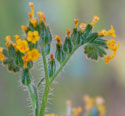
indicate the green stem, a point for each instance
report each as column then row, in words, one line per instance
column 34, row 97
column 62, row 65
column 48, row 83
column 47, row 86
column 44, row 100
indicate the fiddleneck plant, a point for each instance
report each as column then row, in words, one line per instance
column 22, row 54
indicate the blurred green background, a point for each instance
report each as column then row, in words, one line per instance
column 81, row 75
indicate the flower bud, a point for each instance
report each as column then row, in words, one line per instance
column 29, row 64
column 60, row 55
column 51, row 66
column 12, row 51
column 68, row 47
column 26, row 78
column 19, row 60
column 74, row 36
column 5, row 52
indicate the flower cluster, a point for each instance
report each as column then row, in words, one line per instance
column 93, row 107
column 20, row 55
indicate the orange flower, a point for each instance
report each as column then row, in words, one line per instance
column 112, row 46
column 30, row 16
column 76, row 22
column 31, row 5
column 51, row 57
column 33, row 22
column 41, row 16
column 82, row 27
column 24, row 28
column 1, row 54
column 68, row 33
column 8, row 40
column 108, row 58
column 58, row 40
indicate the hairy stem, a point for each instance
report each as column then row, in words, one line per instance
column 34, row 98
column 44, row 100
column 47, row 86
column 49, row 82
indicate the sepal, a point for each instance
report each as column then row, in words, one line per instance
column 74, row 36
column 60, row 55
column 51, row 67
column 68, row 47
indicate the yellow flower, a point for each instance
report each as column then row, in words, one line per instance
column 8, row 40
column 41, row 16
column 77, row 111
column 31, row 5
column 112, row 46
column 34, row 54
column 26, row 59
column 101, row 109
column 33, row 36
column 82, row 27
column 110, row 32
column 22, row 46
column 102, row 33
column 95, row 20
column 31, row 56
column 50, row 114
column 1, row 54
column 76, row 22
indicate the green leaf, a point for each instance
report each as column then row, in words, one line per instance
column 74, row 36
column 91, row 37
column 88, row 30
column 95, row 49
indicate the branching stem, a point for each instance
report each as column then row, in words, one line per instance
column 62, row 65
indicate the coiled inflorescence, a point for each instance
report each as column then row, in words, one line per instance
column 20, row 55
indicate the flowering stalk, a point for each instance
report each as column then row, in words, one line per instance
column 20, row 56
